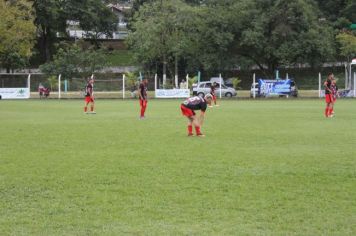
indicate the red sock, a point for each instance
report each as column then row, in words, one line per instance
column 327, row 112
column 190, row 129
column 330, row 111
column 91, row 108
column 197, row 130
column 142, row 112
column 85, row 109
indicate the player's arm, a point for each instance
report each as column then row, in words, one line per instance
column 326, row 86
column 337, row 92
column 201, row 118
column 140, row 92
column 91, row 94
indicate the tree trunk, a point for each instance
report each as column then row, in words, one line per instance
column 164, row 70
column 46, row 43
column 176, row 71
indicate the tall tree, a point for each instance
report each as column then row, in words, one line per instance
column 283, row 33
column 52, row 17
column 74, row 61
column 157, row 28
column 170, row 31
column 17, row 33
column 347, row 43
column 94, row 17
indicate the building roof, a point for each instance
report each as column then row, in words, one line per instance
column 119, row 7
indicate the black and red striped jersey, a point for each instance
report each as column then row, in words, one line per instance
column 212, row 89
column 328, row 89
column 143, row 91
column 195, row 103
column 89, row 90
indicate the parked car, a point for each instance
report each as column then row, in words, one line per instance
column 217, row 80
column 229, row 82
column 212, row 80
column 203, row 88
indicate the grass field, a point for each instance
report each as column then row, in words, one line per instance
column 273, row 167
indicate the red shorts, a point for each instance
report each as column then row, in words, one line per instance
column 329, row 98
column 186, row 111
column 214, row 97
column 143, row 103
column 88, row 99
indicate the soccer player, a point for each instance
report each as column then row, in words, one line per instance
column 189, row 107
column 212, row 92
column 143, row 97
column 328, row 95
column 89, row 97
column 335, row 93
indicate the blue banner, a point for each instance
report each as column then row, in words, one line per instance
column 274, row 87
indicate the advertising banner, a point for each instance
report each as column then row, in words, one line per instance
column 14, row 93
column 347, row 93
column 274, row 87
column 172, row 93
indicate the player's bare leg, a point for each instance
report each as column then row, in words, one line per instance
column 332, row 109
column 215, row 99
column 196, row 124
column 92, row 108
column 216, row 103
column 328, row 110
column 143, row 105
column 190, row 126
column 86, row 107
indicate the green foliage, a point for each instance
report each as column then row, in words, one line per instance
column 96, row 18
column 53, row 82
column 120, row 58
column 335, row 10
column 236, row 83
column 348, row 44
column 132, row 80
column 171, row 30
column 17, row 33
column 284, row 33
column 52, row 17
column 74, row 61
column 192, row 81
column 158, row 31
column 220, row 35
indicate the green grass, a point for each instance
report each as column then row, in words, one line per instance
column 273, row 167
column 120, row 58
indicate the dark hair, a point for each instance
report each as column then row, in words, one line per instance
column 330, row 74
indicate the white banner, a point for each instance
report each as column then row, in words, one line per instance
column 172, row 93
column 14, row 93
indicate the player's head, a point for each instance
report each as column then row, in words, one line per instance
column 91, row 80
column 145, row 81
column 331, row 76
column 208, row 98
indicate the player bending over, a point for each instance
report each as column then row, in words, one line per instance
column 329, row 95
column 142, row 92
column 89, row 97
column 192, row 104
